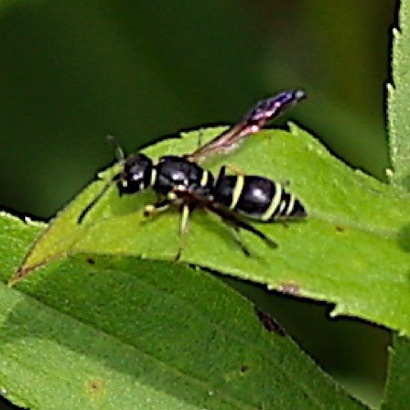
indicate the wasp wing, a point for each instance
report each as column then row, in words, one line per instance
column 263, row 112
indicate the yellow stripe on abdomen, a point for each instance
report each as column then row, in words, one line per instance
column 275, row 203
column 237, row 191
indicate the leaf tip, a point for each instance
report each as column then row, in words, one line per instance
column 294, row 129
column 396, row 33
column 17, row 276
column 22, row 272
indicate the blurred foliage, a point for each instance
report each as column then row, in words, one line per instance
column 73, row 72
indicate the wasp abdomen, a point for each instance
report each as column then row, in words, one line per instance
column 257, row 198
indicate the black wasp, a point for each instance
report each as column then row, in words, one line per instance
column 179, row 180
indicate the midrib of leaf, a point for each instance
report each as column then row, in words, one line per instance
column 390, row 234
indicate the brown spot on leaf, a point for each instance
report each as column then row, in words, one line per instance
column 90, row 261
column 289, row 289
column 269, row 322
column 95, row 387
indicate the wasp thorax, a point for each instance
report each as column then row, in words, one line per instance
column 175, row 172
column 136, row 174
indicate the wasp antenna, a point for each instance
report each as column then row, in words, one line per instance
column 91, row 205
column 119, row 152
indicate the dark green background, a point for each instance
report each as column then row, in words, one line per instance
column 73, row 72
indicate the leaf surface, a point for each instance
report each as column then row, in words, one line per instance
column 353, row 249
column 397, row 395
column 96, row 332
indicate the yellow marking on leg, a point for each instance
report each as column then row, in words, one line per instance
column 153, row 176
column 205, row 178
column 153, row 209
column 237, row 190
column 183, row 229
column 172, row 196
column 149, row 210
column 184, row 220
column 275, row 203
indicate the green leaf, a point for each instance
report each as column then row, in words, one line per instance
column 353, row 249
column 91, row 332
column 397, row 394
column 15, row 236
column 398, row 100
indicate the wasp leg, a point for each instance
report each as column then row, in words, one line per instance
column 234, row 169
column 237, row 238
column 236, row 224
column 232, row 220
column 162, row 206
column 200, row 135
column 183, row 227
column 227, row 216
column 158, row 207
